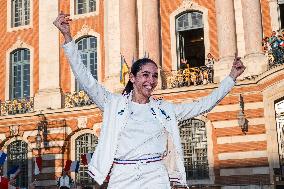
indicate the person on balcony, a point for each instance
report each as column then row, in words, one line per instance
column 209, row 63
column 183, row 64
column 139, row 137
column 277, row 52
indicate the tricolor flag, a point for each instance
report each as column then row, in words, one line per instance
column 86, row 158
column 67, row 165
column 14, row 171
column 38, row 165
column 3, row 157
column 74, row 166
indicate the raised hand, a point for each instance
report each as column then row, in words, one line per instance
column 237, row 68
column 62, row 22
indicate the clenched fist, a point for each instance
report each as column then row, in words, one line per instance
column 62, row 22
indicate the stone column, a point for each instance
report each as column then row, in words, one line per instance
column 254, row 58
column 49, row 94
column 151, row 29
column 128, row 30
column 227, row 44
column 112, row 45
column 151, row 32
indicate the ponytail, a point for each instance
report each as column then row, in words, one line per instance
column 128, row 88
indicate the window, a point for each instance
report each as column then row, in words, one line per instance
column 20, row 74
column 194, row 142
column 190, row 20
column 190, row 39
column 88, row 49
column 18, row 156
column 85, row 6
column 84, row 144
column 20, row 13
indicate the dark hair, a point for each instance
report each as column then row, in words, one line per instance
column 135, row 68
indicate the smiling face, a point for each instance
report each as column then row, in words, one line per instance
column 144, row 82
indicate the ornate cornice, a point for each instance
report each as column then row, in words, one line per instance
column 187, row 4
column 19, row 44
column 85, row 30
column 82, row 122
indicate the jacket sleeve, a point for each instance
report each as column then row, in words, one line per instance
column 96, row 92
column 185, row 111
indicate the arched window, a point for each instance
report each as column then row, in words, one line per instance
column 84, row 144
column 85, row 6
column 190, row 39
column 18, row 156
column 88, row 49
column 194, row 142
column 20, row 13
column 20, row 74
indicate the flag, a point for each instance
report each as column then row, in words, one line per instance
column 3, row 157
column 4, row 182
column 38, row 165
column 123, row 70
column 74, row 166
column 14, row 171
column 86, row 158
column 67, row 165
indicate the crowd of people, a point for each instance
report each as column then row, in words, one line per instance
column 273, row 46
column 187, row 75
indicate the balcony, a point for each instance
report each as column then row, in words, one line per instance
column 273, row 47
column 77, row 99
column 17, row 106
column 188, row 77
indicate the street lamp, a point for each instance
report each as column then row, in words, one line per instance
column 242, row 121
column 41, row 131
column 38, row 139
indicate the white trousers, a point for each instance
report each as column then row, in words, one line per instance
column 139, row 176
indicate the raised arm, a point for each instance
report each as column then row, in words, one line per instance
column 95, row 91
column 185, row 111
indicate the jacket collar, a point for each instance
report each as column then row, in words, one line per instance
column 152, row 101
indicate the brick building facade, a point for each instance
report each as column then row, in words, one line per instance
column 41, row 114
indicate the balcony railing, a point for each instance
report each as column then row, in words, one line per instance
column 77, row 99
column 17, row 106
column 273, row 46
column 188, row 77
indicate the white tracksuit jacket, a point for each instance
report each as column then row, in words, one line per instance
column 115, row 116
